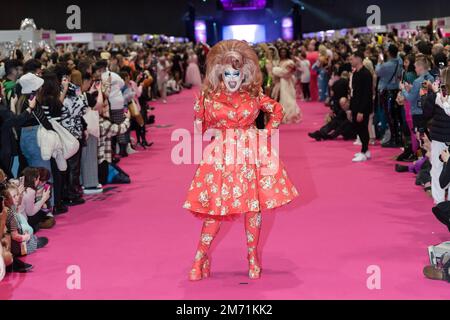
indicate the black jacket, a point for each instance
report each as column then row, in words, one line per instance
column 10, row 123
column 362, row 99
column 440, row 123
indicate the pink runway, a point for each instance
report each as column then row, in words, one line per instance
column 137, row 242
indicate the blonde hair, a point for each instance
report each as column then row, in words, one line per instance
column 369, row 65
column 424, row 60
column 240, row 56
column 2, row 176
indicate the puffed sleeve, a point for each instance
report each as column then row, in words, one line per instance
column 273, row 109
column 199, row 113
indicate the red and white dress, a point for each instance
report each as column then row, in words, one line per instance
column 223, row 190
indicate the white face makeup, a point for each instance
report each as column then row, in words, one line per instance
column 232, row 79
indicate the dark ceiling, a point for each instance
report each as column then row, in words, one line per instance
column 166, row 16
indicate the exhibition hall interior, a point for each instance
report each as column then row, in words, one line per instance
column 224, row 150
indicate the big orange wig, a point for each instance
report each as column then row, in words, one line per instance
column 240, row 56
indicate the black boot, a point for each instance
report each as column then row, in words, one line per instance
column 315, row 135
column 406, row 154
column 19, row 266
column 400, row 168
column 60, row 209
column 123, row 150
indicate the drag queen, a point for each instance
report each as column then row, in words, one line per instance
column 285, row 71
column 226, row 188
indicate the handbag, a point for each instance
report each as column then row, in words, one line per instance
column 70, row 144
column 47, row 140
column 92, row 119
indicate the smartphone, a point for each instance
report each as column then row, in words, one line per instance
column 22, row 180
column 381, row 56
column 32, row 95
column 46, row 187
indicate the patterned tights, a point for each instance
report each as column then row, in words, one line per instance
column 211, row 228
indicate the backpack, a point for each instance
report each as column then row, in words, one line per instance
column 116, row 175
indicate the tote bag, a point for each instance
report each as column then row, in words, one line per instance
column 69, row 143
column 92, row 119
column 48, row 141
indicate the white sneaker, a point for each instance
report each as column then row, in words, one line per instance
column 88, row 191
column 357, row 142
column 360, row 157
column 367, row 154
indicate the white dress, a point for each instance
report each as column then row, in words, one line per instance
column 285, row 71
column 193, row 75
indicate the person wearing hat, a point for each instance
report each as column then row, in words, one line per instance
column 105, row 55
column 32, row 87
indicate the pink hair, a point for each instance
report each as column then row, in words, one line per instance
column 240, row 56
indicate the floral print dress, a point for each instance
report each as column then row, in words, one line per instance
column 228, row 184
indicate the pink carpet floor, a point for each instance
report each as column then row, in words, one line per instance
column 136, row 242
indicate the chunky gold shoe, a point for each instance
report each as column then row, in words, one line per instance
column 254, row 269
column 433, row 273
column 201, row 270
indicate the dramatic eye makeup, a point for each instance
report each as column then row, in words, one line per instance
column 236, row 73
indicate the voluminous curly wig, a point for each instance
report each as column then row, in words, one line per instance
column 239, row 55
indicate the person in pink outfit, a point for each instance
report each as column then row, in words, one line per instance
column 193, row 76
column 230, row 184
